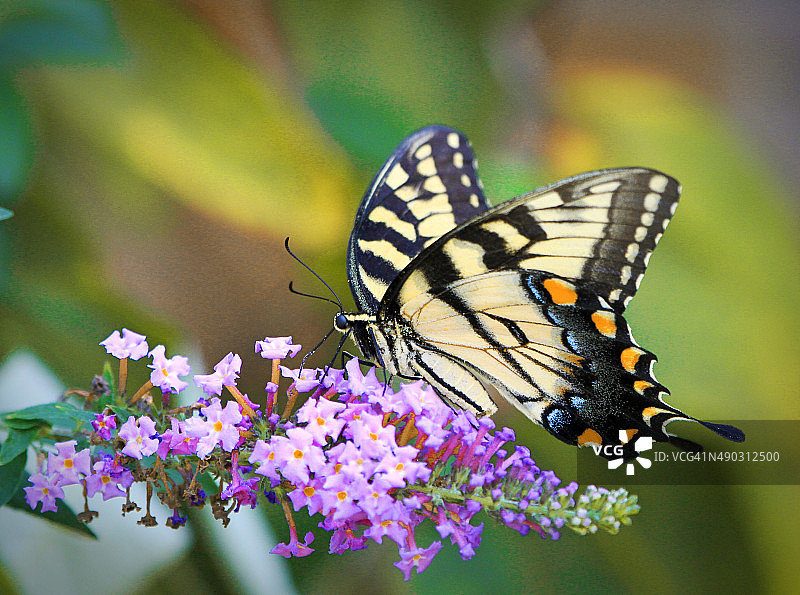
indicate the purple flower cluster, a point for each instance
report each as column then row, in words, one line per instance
column 67, row 467
column 375, row 463
column 351, row 459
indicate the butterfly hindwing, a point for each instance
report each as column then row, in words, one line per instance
column 427, row 187
column 554, row 349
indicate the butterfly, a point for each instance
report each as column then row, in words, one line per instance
column 526, row 297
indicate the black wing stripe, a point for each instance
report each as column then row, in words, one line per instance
column 454, row 382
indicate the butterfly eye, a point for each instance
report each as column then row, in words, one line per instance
column 341, row 323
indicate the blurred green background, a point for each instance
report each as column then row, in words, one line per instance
column 156, row 153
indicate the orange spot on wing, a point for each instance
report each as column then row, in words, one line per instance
column 629, row 358
column 639, row 386
column 560, row 292
column 589, row 435
column 649, row 412
column 605, row 322
column 631, row 433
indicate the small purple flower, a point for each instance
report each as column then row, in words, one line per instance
column 377, row 500
column 140, row 437
column 264, row 453
column 129, row 345
column 340, row 495
column 219, row 427
column 244, row 490
column 107, row 479
column 294, row 547
column 103, row 424
column 176, row 520
column 393, row 524
column 334, row 378
column 320, row 417
column 417, row 557
column 371, row 436
column 199, row 498
column 277, row 348
column 401, row 468
column 461, row 533
column 298, row 455
column 350, row 461
column 166, row 371
column 344, row 537
column 225, row 374
column 309, row 495
column 176, row 440
column 70, row 466
column 421, row 397
column 359, row 384
column 303, row 380
column 210, row 383
column 45, row 489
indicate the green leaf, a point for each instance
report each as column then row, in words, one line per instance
column 207, row 483
column 60, row 415
column 12, row 476
column 108, row 375
column 23, row 425
column 121, row 412
column 16, row 444
column 64, row 517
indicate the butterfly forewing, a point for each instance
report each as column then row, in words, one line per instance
column 599, row 228
column 426, row 188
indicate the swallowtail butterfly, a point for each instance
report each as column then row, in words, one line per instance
column 525, row 297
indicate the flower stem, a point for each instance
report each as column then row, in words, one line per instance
column 292, row 397
column 287, row 510
column 248, row 411
column 141, row 392
column 276, row 371
column 123, row 376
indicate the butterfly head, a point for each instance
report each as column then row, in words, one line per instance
column 361, row 326
column 342, row 323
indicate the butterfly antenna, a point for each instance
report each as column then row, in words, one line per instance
column 338, row 301
column 316, row 297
